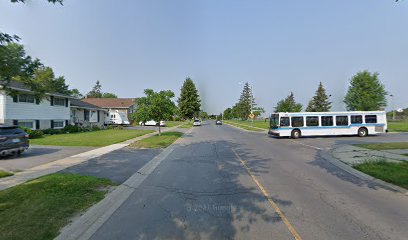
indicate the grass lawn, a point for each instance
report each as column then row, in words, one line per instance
column 243, row 125
column 384, row 146
column 156, row 141
column 38, row 209
column 173, row 123
column 90, row 139
column 401, row 126
column 395, row 173
column 257, row 123
column 5, row 174
column 187, row 124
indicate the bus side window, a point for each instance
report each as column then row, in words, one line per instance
column 284, row 122
column 341, row 121
column 327, row 121
column 371, row 118
column 312, row 121
column 356, row 119
column 297, row 121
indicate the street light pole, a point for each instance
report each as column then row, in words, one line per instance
column 392, row 106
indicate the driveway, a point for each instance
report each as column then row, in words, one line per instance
column 38, row 155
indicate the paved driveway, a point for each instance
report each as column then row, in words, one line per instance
column 38, row 155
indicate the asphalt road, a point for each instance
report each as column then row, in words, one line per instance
column 223, row 183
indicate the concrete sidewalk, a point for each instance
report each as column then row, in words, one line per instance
column 354, row 155
column 58, row 165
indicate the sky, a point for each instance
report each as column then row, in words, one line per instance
column 277, row 46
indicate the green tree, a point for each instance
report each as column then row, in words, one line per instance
column 246, row 102
column 228, row 113
column 203, row 115
column 189, row 101
column 109, row 95
column 155, row 106
column 320, row 102
column 96, row 91
column 365, row 93
column 76, row 93
column 258, row 111
column 288, row 105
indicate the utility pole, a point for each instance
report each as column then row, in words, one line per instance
column 392, row 106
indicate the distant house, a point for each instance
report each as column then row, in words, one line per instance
column 23, row 109
column 86, row 115
column 125, row 105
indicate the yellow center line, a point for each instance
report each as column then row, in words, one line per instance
column 270, row 200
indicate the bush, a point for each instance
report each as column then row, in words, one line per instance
column 95, row 128
column 52, row 131
column 36, row 134
column 72, row 129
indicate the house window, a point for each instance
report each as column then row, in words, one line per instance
column 59, row 101
column 58, row 124
column 26, row 98
column 297, row 121
column 86, row 115
column 27, row 124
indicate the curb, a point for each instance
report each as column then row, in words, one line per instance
column 85, row 226
column 360, row 175
column 61, row 164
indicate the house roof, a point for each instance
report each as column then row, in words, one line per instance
column 22, row 87
column 81, row 104
column 111, row 102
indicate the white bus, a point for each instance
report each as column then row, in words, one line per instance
column 299, row 124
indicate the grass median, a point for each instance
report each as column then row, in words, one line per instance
column 243, row 124
column 156, row 141
column 38, row 209
column 5, row 174
column 395, row 173
column 384, row 146
column 401, row 126
column 186, row 124
column 90, row 139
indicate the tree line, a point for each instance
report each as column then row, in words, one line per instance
column 365, row 93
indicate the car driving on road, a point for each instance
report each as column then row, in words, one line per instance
column 218, row 122
column 197, row 122
column 13, row 140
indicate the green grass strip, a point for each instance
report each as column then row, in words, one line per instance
column 5, row 174
column 395, row 173
column 38, row 209
column 156, row 141
column 90, row 139
column 384, row 146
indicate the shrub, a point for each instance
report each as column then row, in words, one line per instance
column 95, row 128
column 52, row 131
column 36, row 134
column 27, row 130
column 72, row 129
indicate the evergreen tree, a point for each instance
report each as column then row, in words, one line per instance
column 288, row 105
column 246, row 102
column 365, row 93
column 189, row 101
column 96, row 91
column 320, row 102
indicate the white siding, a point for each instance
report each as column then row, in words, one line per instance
column 42, row 111
column 2, row 120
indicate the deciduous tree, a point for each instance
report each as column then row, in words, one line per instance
column 365, row 93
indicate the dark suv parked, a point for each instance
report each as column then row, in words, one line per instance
column 13, row 140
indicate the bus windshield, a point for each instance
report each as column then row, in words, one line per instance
column 274, row 122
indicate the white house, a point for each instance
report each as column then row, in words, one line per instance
column 23, row 109
column 86, row 115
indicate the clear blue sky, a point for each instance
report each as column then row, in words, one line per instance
column 278, row 46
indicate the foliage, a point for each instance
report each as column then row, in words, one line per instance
column 109, row 95
column 258, row 111
column 228, row 114
column 246, row 102
column 76, row 93
column 39, row 208
column 33, row 133
column 365, row 93
column 52, row 131
column 155, row 106
column 288, row 104
column 320, row 101
column 189, row 101
column 96, row 91
column 5, row 174
column 72, row 128
column 203, row 115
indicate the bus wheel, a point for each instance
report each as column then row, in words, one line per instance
column 362, row 132
column 295, row 133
